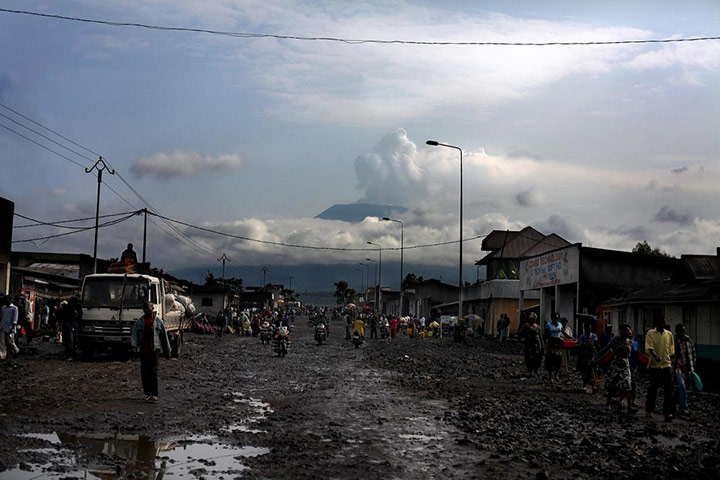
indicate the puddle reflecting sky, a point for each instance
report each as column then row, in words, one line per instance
column 157, row 460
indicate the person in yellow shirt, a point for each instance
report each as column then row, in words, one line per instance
column 359, row 325
column 660, row 346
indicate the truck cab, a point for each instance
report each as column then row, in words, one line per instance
column 112, row 302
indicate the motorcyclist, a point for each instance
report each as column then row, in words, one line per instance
column 359, row 326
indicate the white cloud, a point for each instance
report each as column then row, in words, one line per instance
column 182, row 164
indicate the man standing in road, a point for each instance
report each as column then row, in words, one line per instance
column 150, row 338
column 660, row 346
column 8, row 324
column 373, row 326
column 685, row 360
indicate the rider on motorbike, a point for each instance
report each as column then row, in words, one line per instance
column 359, row 326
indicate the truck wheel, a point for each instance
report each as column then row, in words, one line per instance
column 176, row 345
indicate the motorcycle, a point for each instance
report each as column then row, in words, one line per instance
column 384, row 331
column 357, row 339
column 281, row 342
column 265, row 333
column 320, row 333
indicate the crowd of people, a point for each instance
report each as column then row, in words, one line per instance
column 669, row 362
column 55, row 320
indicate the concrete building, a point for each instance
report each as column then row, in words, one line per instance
column 691, row 297
column 577, row 280
column 500, row 293
column 431, row 298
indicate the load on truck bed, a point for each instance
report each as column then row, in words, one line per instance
column 112, row 302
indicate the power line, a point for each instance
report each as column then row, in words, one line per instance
column 312, row 247
column 179, row 236
column 106, row 224
column 46, row 137
column 48, row 129
column 354, row 41
column 58, row 224
column 43, row 146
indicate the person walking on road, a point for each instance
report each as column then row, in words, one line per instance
column 660, row 346
column 150, row 338
column 393, row 327
column 684, row 364
column 531, row 333
column 8, row 324
column 373, row 326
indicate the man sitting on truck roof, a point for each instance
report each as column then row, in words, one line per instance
column 129, row 254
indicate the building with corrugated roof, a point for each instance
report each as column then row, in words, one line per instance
column 500, row 292
column 691, row 297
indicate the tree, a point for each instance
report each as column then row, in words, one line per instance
column 644, row 248
column 234, row 284
column 343, row 293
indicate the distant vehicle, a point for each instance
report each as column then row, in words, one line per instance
column 112, row 302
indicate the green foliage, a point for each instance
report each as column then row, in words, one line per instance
column 344, row 294
column 644, row 248
column 234, row 284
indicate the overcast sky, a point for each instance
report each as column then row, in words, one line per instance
column 607, row 145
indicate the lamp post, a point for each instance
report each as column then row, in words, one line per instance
column 402, row 248
column 367, row 275
column 376, row 281
column 460, row 266
column 100, row 165
column 379, row 294
column 362, row 276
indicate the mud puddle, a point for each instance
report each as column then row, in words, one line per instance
column 117, row 455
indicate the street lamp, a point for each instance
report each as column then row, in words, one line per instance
column 402, row 245
column 362, row 276
column 367, row 275
column 460, row 276
column 376, row 281
column 379, row 294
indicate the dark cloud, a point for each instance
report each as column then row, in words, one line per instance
column 670, row 215
column 517, row 152
column 529, row 198
column 561, row 226
column 182, row 164
column 679, row 170
column 639, row 231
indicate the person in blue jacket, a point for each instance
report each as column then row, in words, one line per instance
column 150, row 338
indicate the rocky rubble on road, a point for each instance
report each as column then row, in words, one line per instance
column 406, row 409
column 529, row 426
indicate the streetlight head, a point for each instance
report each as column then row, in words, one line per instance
column 386, row 218
column 432, row 142
column 370, row 243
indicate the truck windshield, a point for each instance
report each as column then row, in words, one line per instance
column 108, row 292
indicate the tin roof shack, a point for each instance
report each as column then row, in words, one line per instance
column 210, row 299
column 431, row 298
column 259, row 297
column 692, row 298
column 578, row 280
column 500, row 292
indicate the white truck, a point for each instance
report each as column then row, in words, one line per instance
column 112, row 302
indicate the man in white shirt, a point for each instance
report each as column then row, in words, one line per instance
column 8, row 324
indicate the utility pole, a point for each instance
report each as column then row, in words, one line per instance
column 144, row 235
column 99, row 166
column 223, row 259
column 264, row 270
column 290, row 286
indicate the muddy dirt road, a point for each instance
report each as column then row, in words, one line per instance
column 404, row 409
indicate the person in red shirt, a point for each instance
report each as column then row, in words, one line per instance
column 393, row 327
column 150, row 338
